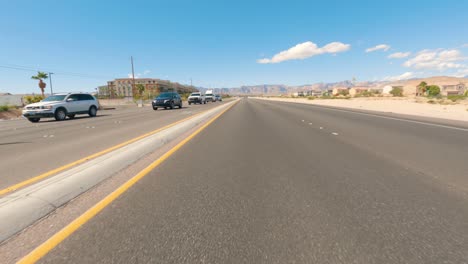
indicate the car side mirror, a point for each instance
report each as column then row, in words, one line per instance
column 70, row 100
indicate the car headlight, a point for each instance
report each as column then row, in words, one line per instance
column 47, row 107
column 165, row 101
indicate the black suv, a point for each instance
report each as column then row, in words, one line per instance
column 167, row 100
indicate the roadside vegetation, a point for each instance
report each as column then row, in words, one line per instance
column 4, row 108
column 455, row 98
column 369, row 94
column 31, row 99
column 9, row 112
column 397, row 92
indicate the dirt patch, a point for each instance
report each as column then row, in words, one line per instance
column 10, row 114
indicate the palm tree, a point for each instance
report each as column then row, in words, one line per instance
column 41, row 76
column 422, row 87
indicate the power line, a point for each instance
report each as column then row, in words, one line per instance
column 74, row 74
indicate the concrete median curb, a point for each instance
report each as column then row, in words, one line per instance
column 24, row 207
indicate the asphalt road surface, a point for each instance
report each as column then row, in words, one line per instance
column 285, row 183
column 28, row 149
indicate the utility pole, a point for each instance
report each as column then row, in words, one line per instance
column 50, row 82
column 133, row 77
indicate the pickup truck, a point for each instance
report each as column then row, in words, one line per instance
column 196, row 98
column 209, row 96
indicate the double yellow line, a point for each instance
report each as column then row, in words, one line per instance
column 56, row 239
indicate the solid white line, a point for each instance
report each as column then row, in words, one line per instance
column 385, row 117
column 399, row 119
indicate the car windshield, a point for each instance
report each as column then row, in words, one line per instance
column 195, row 94
column 54, row 98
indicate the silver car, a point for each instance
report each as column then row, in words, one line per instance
column 60, row 106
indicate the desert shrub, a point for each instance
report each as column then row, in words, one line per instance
column 456, row 97
column 311, row 97
column 4, row 108
column 397, row 92
column 365, row 94
column 31, row 99
column 431, row 102
column 343, row 92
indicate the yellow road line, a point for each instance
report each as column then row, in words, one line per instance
column 95, row 155
column 57, row 238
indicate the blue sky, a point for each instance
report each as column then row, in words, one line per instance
column 220, row 43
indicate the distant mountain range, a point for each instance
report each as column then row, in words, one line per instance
column 279, row 89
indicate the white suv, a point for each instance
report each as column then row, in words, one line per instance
column 62, row 105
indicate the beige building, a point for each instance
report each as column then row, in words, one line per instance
column 340, row 90
column 454, row 89
column 123, row 87
column 358, row 90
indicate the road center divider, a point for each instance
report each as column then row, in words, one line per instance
column 20, row 209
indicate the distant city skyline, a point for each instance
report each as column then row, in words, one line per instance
column 229, row 44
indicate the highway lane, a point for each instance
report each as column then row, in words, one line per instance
column 28, row 149
column 283, row 183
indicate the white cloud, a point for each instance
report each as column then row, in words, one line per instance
column 306, row 50
column 383, row 47
column 136, row 75
column 465, row 45
column 139, row 75
column 441, row 60
column 399, row 55
column 462, row 72
column 404, row 76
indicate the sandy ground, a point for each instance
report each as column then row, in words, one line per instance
column 10, row 114
column 408, row 106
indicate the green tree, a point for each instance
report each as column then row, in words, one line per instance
column 140, row 88
column 397, row 92
column 41, row 76
column 433, row 90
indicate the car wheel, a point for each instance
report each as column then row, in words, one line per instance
column 180, row 105
column 60, row 114
column 34, row 120
column 92, row 111
column 71, row 116
column 204, row 102
column 172, row 105
column 190, row 103
column 155, row 108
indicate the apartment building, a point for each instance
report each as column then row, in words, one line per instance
column 123, row 87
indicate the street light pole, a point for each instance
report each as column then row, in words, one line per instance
column 133, row 77
column 50, row 82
